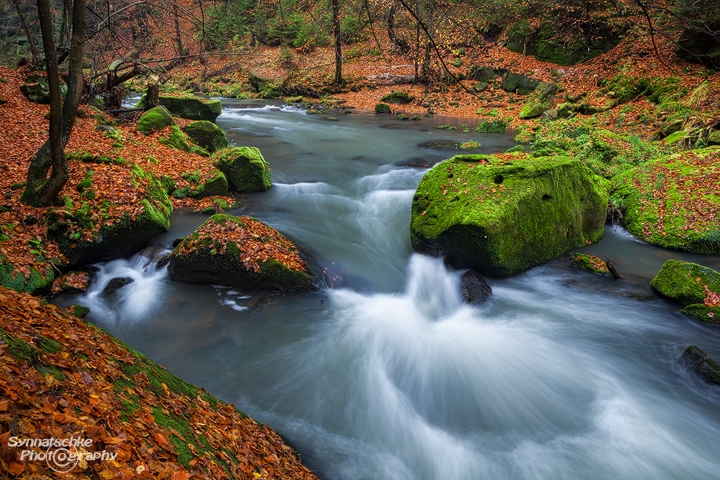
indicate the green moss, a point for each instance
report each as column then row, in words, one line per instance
column 538, row 101
column 699, row 362
column 80, row 311
column 684, row 282
column 469, row 145
column 382, row 108
column 662, row 198
column 47, row 345
column 207, row 135
column 590, row 263
column 176, row 139
column 703, row 313
column 19, row 348
column 154, row 120
column 396, row 97
column 402, row 116
column 191, row 107
column 516, row 149
column 37, row 283
column 245, row 168
column 492, row 126
column 504, row 217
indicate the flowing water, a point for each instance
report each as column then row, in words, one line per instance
column 384, row 373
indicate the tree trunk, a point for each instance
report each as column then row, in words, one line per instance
column 399, row 42
column 33, row 48
column 152, row 99
column 338, row 48
column 40, row 190
column 178, row 38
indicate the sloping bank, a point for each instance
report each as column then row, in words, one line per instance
column 63, row 378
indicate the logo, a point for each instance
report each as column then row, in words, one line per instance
column 62, row 455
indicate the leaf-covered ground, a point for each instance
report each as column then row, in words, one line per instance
column 62, row 377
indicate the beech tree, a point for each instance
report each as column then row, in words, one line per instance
column 42, row 190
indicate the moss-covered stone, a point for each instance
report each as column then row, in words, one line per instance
column 540, row 100
column 84, row 236
column 591, row 263
column 517, row 83
column 502, row 217
column 36, row 283
column 699, row 362
column 154, row 120
column 240, row 252
column 215, row 184
column 669, row 201
column 382, row 108
column 714, row 138
column 703, row 313
column 498, row 125
column 191, row 107
column 176, row 139
column 208, row 135
column 37, row 92
column 79, row 311
column 397, row 97
column 685, row 282
column 245, row 168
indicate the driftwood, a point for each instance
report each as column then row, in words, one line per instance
column 612, row 268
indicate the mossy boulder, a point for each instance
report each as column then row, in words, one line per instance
column 397, row 97
column 245, row 168
column 215, row 184
column 714, row 138
column 540, row 100
column 501, row 217
column 703, row 313
column 93, row 233
column 518, row 83
column 191, row 107
column 38, row 92
column 497, row 125
column 701, row 364
column 36, row 283
column 154, row 120
column 673, row 201
column 685, row 282
column 241, row 252
column 591, row 263
column 484, row 74
column 382, row 108
column 207, row 135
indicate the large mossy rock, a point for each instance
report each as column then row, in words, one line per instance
column 245, row 168
column 93, row 233
column 673, row 202
column 540, row 100
column 501, row 217
column 207, row 135
column 189, row 106
column 686, row 283
column 154, row 120
column 240, row 252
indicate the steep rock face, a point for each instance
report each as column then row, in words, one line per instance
column 245, row 169
column 240, row 252
column 501, row 217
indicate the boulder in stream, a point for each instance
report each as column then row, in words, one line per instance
column 474, row 288
column 693, row 286
column 501, row 216
column 245, row 168
column 240, row 252
column 697, row 361
column 188, row 106
column 114, row 285
column 207, row 135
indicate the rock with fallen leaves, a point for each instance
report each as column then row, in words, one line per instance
column 64, row 378
column 503, row 214
column 87, row 235
column 240, row 252
column 591, row 263
column 672, row 202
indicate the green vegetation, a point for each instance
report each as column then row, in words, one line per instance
column 245, row 168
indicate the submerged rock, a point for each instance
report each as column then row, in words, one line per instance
column 239, row 252
column 701, row 364
column 501, row 217
column 245, row 168
column 474, row 288
column 115, row 284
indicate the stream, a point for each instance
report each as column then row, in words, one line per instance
column 384, row 373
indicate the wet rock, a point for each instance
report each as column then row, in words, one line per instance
column 245, row 168
column 503, row 216
column 685, row 282
column 239, row 252
column 115, row 284
column 206, row 134
column 474, row 288
column 697, row 361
